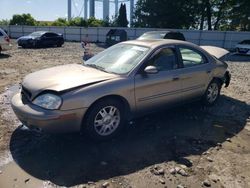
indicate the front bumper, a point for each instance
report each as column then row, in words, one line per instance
column 245, row 51
column 5, row 47
column 54, row 121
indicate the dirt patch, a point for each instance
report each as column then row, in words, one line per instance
column 189, row 146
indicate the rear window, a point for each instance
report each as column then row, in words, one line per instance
column 176, row 36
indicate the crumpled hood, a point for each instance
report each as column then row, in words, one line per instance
column 63, row 77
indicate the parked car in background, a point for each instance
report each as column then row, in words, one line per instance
column 41, row 39
column 4, row 41
column 243, row 47
column 115, row 36
column 129, row 79
column 176, row 35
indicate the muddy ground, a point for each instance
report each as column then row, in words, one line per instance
column 188, row 146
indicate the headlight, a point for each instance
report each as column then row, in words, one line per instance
column 48, row 101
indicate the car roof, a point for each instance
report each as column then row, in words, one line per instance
column 43, row 32
column 162, row 31
column 152, row 43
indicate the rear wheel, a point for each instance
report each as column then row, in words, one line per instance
column 212, row 93
column 105, row 119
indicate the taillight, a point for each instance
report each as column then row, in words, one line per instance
column 7, row 39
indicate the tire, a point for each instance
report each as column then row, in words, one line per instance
column 105, row 119
column 59, row 45
column 34, row 44
column 212, row 93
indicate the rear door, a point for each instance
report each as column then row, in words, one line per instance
column 158, row 89
column 49, row 39
column 195, row 74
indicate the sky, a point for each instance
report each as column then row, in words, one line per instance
column 48, row 10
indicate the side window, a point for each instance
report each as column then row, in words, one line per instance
column 1, row 34
column 164, row 60
column 50, row 34
column 191, row 58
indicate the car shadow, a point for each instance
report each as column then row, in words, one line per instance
column 174, row 134
column 4, row 56
column 39, row 47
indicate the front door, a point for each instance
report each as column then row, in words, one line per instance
column 153, row 90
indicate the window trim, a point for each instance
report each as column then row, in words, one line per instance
column 153, row 53
column 193, row 49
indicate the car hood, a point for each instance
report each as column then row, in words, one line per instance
column 62, row 78
column 243, row 46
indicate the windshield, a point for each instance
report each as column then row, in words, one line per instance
column 245, row 42
column 36, row 34
column 118, row 59
column 153, row 36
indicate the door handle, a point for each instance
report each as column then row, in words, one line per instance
column 176, row 78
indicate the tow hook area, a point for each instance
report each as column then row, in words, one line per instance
column 227, row 78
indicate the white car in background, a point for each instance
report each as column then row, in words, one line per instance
column 243, row 47
column 4, row 41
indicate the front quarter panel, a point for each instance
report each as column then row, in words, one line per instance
column 84, row 97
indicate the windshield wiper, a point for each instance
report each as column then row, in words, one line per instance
column 96, row 67
column 99, row 68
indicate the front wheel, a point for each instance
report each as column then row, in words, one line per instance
column 212, row 93
column 105, row 119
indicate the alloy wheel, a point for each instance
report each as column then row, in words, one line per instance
column 107, row 120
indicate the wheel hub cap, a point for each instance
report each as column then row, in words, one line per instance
column 213, row 92
column 107, row 120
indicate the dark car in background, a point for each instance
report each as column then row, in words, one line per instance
column 176, row 35
column 41, row 39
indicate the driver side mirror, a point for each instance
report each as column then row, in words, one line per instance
column 151, row 70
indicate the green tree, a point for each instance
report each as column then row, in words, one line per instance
column 78, row 21
column 240, row 15
column 22, row 19
column 122, row 20
column 93, row 22
column 4, row 22
column 164, row 13
column 60, row 22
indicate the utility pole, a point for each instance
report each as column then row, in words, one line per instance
column 69, row 10
column 91, row 8
column 105, row 9
column 85, row 9
column 131, row 11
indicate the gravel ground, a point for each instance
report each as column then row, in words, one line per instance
column 189, row 146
